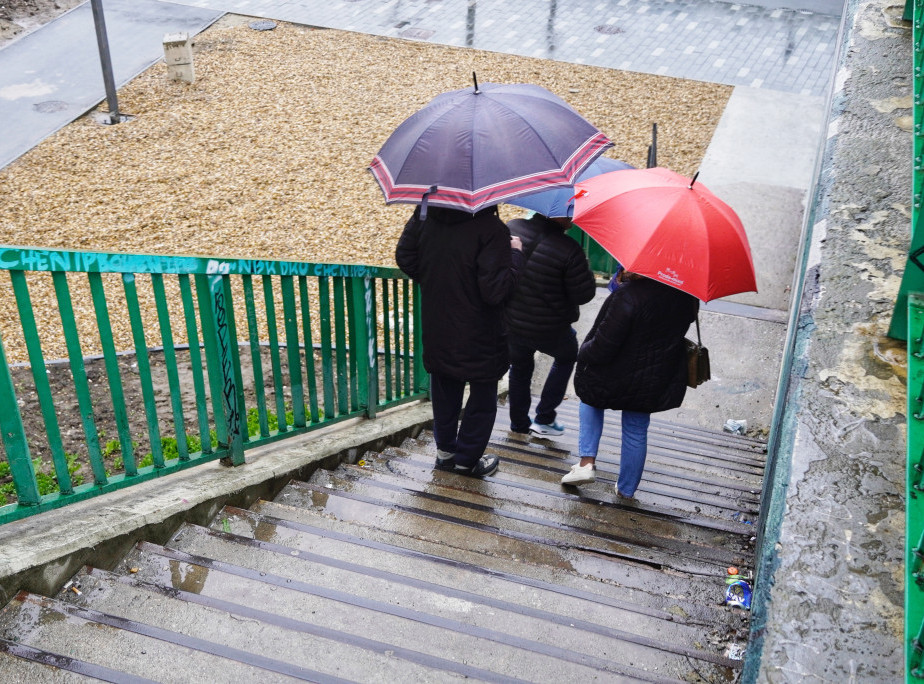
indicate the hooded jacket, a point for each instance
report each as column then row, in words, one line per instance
column 634, row 356
column 555, row 280
column 467, row 271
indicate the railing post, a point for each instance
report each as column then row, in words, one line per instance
column 421, row 378
column 914, row 495
column 363, row 336
column 229, row 390
column 14, row 438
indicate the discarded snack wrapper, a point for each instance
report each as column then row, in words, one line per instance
column 736, row 427
column 738, row 594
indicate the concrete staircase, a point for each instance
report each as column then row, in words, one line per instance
column 388, row 571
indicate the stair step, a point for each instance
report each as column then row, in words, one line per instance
column 30, row 665
column 268, row 622
column 683, row 607
column 418, row 615
column 338, row 547
column 626, row 532
column 135, row 648
column 524, row 481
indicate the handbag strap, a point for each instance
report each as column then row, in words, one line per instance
column 698, row 341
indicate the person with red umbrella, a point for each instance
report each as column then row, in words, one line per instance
column 633, row 360
column 678, row 244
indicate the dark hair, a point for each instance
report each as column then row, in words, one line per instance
column 625, row 276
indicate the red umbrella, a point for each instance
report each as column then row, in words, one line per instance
column 667, row 227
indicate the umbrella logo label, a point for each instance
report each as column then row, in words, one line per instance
column 669, row 275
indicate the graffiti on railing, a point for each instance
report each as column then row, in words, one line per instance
column 91, row 262
column 19, row 259
column 229, row 390
column 289, row 268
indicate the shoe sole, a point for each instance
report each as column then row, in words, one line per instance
column 553, row 433
column 579, row 482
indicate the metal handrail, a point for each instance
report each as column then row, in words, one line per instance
column 341, row 342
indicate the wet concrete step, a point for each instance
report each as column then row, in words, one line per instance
column 558, row 600
column 718, row 479
column 21, row 663
column 623, row 535
column 274, row 620
column 518, row 492
column 632, row 588
column 131, row 651
column 527, row 472
column 434, row 620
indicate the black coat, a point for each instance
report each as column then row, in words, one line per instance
column 553, row 284
column 467, row 271
column 634, row 356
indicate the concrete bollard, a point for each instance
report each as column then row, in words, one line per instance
column 178, row 56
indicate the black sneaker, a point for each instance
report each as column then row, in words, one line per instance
column 486, row 465
column 445, row 460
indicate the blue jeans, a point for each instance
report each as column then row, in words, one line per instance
column 634, row 443
column 563, row 350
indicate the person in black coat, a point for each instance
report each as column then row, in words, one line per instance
column 632, row 360
column 466, row 266
column 556, row 279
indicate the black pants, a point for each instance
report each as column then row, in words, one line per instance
column 468, row 440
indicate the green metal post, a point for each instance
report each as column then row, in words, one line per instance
column 343, row 398
column 293, row 351
column 913, row 276
column 112, row 372
column 195, row 361
column 40, row 377
column 14, row 438
column 309, row 349
column 386, row 335
column 173, row 375
column 256, row 358
column 326, row 352
column 144, row 367
column 82, row 387
column 212, row 360
column 270, row 303
column 914, row 497
column 229, row 389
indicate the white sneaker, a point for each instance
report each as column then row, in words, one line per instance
column 580, row 474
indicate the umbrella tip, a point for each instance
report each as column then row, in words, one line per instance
column 475, row 79
column 695, row 176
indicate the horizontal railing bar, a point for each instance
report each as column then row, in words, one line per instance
column 77, row 261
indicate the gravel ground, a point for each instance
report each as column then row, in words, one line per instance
column 265, row 155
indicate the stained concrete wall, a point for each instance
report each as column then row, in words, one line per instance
column 829, row 607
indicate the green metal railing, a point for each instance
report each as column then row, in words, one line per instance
column 914, row 508
column 246, row 352
column 913, row 275
column 908, row 323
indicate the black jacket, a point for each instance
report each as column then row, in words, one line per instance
column 634, row 356
column 553, row 284
column 467, row 271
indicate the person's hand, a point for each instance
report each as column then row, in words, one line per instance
column 516, row 243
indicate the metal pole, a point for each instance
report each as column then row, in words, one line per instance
column 103, row 42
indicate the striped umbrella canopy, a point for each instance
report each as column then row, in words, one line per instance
column 475, row 147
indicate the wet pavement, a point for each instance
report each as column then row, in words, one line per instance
column 53, row 75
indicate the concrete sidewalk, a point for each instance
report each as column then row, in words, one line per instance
column 52, row 75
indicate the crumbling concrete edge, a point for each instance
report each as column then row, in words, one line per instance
column 41, row 553
column 784, row 427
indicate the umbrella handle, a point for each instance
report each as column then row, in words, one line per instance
column 423, row 202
